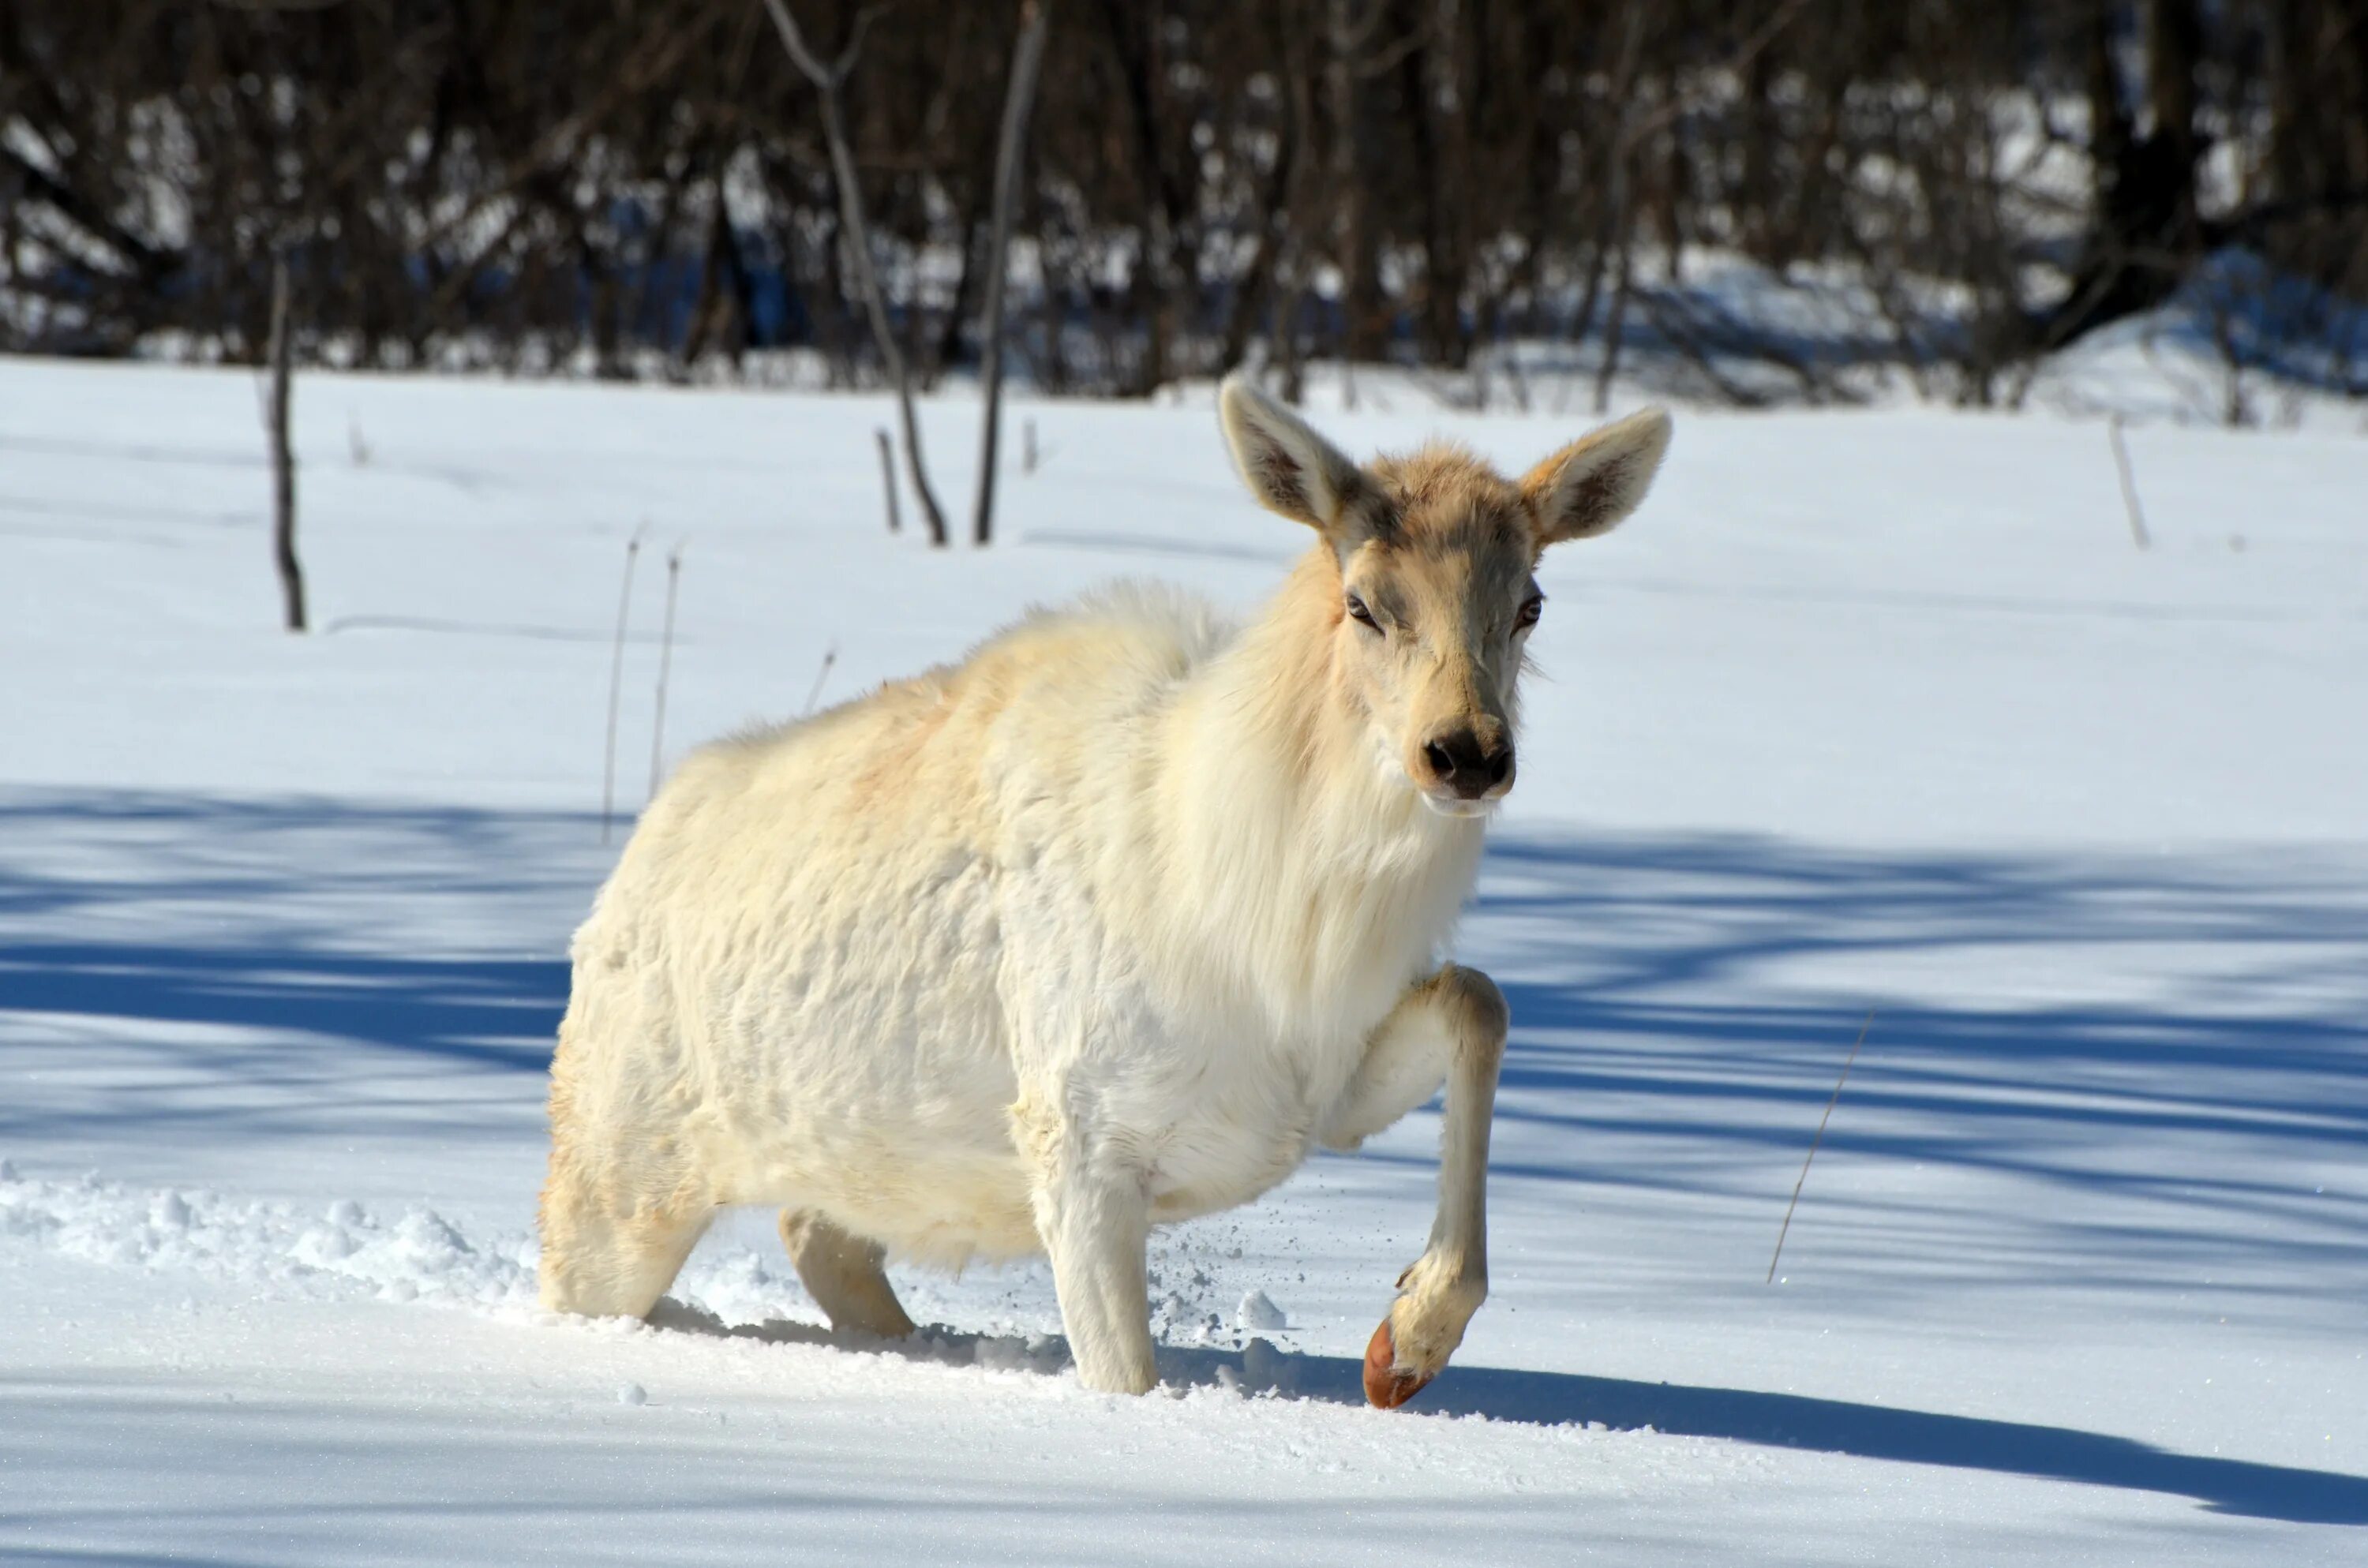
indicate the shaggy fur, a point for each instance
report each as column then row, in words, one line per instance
column 1108, row 925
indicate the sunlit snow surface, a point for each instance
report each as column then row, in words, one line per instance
column 1865, row 711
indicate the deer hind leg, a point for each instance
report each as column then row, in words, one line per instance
column 622, row 1206
column 1437, row 1294
column 843, row 1274
column 607, row 1252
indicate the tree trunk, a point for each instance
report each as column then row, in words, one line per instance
column 857, row 235
column 1282, row 198
column 715, row 300
column 2145, row 236
column 1167, row 265
column 1363, row 328
column 1026, row 56
column 1611, row 221
column 1437, row 102
column 282, row 355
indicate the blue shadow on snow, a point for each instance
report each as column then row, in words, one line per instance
column 1653, row 942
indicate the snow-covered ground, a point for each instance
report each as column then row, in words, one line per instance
column 1878, row 711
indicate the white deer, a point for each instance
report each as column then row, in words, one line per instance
column 1109, row 924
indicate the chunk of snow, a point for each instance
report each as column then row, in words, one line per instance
column 1257, row 1311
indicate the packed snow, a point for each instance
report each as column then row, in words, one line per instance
column 1879, row 712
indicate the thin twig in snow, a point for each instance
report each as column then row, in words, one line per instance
column 888, row 481
column 665, row 668
column 829, row 657
column 616, row 687
column 2129, row 483
column 1815, row 1142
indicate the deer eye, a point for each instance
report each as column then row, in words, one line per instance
column 1532, row 607
column 1361, row 615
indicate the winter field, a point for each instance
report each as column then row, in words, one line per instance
column 1876, row 712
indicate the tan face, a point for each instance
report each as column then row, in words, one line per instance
column 1434, row 611
column 1436, row 599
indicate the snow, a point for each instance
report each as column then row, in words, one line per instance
column 1878, row 711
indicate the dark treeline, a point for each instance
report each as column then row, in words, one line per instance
column 642, row 184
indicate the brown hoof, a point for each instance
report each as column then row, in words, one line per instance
column 1386, row 1388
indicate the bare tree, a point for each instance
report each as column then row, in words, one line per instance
column 1026, row 57
column 583, row 181
column 828, row 82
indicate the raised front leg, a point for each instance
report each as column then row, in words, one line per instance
column 1404, row 1065
column 1446, row 1285
column 1094, row 1213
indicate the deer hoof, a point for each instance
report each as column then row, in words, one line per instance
column 1386, row 1388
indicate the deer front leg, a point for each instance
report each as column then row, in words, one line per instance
column 1446, row 1285
column 1094, row 1213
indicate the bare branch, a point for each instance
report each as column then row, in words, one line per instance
column 1388, row 58
column 845, row 65
column 1815, row 1143
column 1681, row 104
column 827, row 77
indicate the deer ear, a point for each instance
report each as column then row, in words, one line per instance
column 1589, row 486
column 1290, row 467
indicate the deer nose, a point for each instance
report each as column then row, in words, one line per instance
column 1466, row 764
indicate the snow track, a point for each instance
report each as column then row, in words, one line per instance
column 342, row 1252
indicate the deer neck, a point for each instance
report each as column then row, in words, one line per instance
column 1304, row 848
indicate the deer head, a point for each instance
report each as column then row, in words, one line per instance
column 1434, row 555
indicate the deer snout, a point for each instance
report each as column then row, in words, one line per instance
column 1464, row 764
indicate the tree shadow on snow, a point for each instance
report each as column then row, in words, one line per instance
column 250, row 965
column 1744, row 1416
column 1682, row 1006
column 1666, row 991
